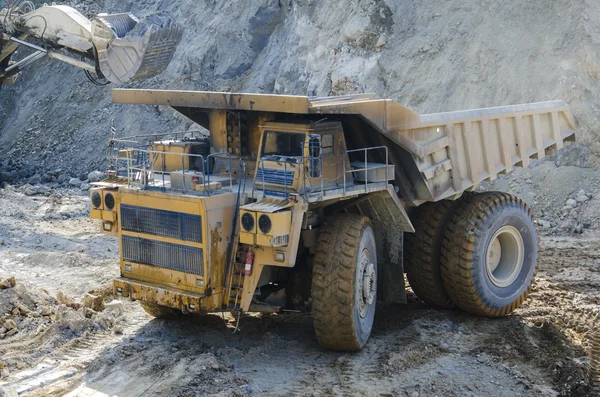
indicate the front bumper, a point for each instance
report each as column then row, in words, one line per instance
column 161, row 295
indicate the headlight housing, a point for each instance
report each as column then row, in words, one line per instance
column 248, row 222
column 96, row 199
column 109, row 201
column 264, row 224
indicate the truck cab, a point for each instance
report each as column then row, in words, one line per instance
column 301, row 157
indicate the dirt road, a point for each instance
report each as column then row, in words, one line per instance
column 48, row 242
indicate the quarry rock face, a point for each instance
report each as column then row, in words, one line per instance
column 432, row 57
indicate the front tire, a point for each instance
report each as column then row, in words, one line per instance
column 344, row 284
column 490, row 254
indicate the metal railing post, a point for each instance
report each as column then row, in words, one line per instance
column 231, row 175
column 344, row 171
column 183, row 171
column 366, row 178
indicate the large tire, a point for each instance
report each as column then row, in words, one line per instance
column 159, row 311
column 424, row 251
column 490, row 254
column 344, row 283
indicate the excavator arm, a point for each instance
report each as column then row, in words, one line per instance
column 116, row 47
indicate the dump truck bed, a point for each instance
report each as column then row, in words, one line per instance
column 437, row 156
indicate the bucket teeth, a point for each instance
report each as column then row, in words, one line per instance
column 130, row 49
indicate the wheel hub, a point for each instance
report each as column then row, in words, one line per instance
column 367, row 288
column 505, row 255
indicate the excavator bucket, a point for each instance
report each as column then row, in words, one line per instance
column 130, row 49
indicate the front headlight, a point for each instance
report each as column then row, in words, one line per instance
column 264, row 224
column 96, row 200
column 248, row 222
column 109, row 201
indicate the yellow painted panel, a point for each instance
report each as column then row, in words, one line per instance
column 247, row 238
column 172, row 159
column 162, row 276
column 280, row 223
column 165, row 239
column 162, row 201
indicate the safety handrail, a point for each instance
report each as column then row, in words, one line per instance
column 301, row 161
column 366, row 169
column 144, row 170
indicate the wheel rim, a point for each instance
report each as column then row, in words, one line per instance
column 505, row 254
column 367, row 283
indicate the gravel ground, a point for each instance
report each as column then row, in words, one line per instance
column 541, row 349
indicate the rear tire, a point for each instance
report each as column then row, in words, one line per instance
column 424, row 251
column 490, row 254
column 344, row 283
column 159, row 311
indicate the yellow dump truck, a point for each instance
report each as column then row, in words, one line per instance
column 324, row 204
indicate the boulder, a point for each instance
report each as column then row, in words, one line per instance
column 75, row 182
column 30, row 190
column 10, row 325
column 66, row 300
column 35, row 180
column 8, row 283
column 62, row 178
column 96, row 176
column 114, row 305
column 93, row 302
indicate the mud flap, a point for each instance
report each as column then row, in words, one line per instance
column 390, row 286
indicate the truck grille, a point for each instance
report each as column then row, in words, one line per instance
column 277, row 177
column 161, row 254
column 161, row 223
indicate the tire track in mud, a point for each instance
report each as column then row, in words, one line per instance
column 565, row 301
column 61, row 371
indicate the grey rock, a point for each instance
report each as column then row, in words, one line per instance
column 31, row 191
column 572, row 203
column 62, row 178
column 96, row 176
column 76, row 182
column 35, row 180
column 85, row 186
column 578, row 229
column 582, row 199
column 49, row 178
column 114, row 305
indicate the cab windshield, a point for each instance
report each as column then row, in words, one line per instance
column 282, row 144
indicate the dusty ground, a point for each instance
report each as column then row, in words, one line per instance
column 48, row 242
column 431, row 56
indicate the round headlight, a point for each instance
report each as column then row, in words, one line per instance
column 264, row 224
column 248, row 222
column 96, row 199
column 109, row 201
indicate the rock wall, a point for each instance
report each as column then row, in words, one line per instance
column 431, row 56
